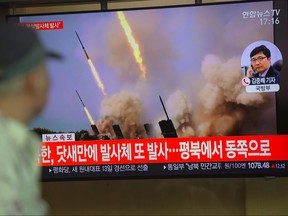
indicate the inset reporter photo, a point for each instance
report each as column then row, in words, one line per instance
column 261, row 64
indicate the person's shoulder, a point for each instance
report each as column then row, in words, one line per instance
column 273, row 72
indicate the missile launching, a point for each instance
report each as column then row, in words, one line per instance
column 133, row 43
column 80, row 98
column 93, row 68
column 86, row 110
column 82, row 45
column 93, row 125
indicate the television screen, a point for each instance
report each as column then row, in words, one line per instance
column 182, row 91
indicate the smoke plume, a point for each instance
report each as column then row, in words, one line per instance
column 225, row 107
column 180, row 111
column 123, row 108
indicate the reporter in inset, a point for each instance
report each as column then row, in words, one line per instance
column 261, row 63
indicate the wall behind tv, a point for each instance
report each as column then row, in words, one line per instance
column 46, row 6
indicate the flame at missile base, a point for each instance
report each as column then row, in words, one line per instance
column 134, row 45
column 89, row 116
column 96, row 76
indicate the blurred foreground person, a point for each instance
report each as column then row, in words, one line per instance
column 24, row 87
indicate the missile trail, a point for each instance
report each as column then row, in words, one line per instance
column 133, row 43
column 96, row 76
column 93, row 68
column 86, row 110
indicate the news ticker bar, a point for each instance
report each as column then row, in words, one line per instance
column 197, row 169
column 169, row 150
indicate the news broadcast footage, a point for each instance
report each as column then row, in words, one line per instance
column 159, row 92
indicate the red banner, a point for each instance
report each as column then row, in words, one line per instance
column 171, row 150
column 53, row 25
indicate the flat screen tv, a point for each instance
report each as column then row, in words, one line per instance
column 182, row 91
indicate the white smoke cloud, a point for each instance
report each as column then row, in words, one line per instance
column 224, row 106
column 180, row 111
column 225, row 82
column 224, row 103
column 123, row 108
